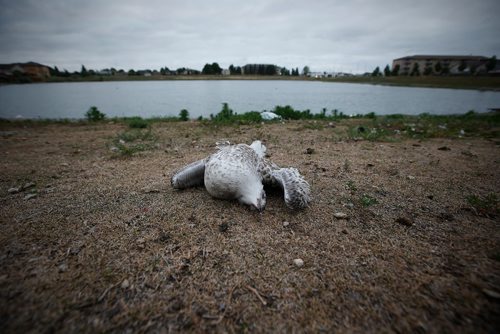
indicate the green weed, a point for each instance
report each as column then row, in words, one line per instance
column 488, row 205
column 137, row 123
column 367, row 200
column 132, row 141
column 94, row 114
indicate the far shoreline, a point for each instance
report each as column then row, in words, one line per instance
column 481, row 83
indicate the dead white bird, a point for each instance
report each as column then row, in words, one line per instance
column 240, row 172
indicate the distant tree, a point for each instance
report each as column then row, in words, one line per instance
column 445, row 70
column 166, row 70
column 284, row 71
column 216, row 68
column 376, row 72
column 438, row 67
column 428, row 70
column 387, row 71
column 54, row 71
column 491, row 64
column 184, row 115
column 306, row 70
column 395, row 70
column 83, row 71
column 131, row 72
column 210, row 69
column 415, row 70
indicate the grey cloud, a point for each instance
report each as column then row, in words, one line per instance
column 326, row 35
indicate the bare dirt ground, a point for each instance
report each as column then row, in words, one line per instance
column 100, row 242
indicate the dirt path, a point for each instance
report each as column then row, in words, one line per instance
column 107, row 245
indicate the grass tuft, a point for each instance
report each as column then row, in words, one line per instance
column 488, row 205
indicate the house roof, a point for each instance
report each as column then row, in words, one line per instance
column 442, row 57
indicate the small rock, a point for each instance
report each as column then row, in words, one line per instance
column 331, row 125
column 223, row 227
column 461, row 133
column 298, row 263
column 65, row 164
column 121, row 141
column 340, row 215
column 30, row 196
column 404, row 221
column 345, row 231
column 309, row 150
column 444, row 148
column 285, row 224
column 141, row 240
column 411, row 177
column 62, row 267
column 13, row 190
column 125, row 284
column 114, row 149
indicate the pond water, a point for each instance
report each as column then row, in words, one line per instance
column 202, row 98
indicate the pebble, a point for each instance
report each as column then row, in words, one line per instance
column 298, row 262
column 65, row 164
column 309, row 150
column 125, row 284
column 404, row 221
column 285, row 224
column 340, row 215
column 29, row 196
column 411, row 177
column 13, row 190
column 63, row 267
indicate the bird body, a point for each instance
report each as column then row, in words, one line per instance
column 240, row 172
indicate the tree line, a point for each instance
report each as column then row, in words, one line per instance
column 208, row 69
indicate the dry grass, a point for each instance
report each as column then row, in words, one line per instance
column 107, row 245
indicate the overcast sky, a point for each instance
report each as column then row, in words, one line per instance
column 326, row 35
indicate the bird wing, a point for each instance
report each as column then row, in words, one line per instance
column 296, row 189
column 189, row 176
column 266, row 168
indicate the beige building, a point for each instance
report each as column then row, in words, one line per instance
column 432, row 64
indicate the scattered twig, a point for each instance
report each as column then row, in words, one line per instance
column 257, row 294
column 106, row 291
column 228, row 301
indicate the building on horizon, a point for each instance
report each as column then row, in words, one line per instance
column 436, row 64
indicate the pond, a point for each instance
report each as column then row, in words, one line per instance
column 205, row 97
